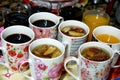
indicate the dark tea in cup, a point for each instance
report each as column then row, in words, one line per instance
column 95, row 54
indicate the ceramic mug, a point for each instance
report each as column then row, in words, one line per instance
column 72, row 43
column 15, row 41
column 44, row 68
column 91, row 69
column 110, row 36
column 48, row 24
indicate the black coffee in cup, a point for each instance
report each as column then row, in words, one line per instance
column 43, row 23
column 17, row 38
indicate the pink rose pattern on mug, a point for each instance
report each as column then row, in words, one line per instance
column 43, row 33
column 89, row 68
column 86, row 75
column 44, row 26
column 53, row 73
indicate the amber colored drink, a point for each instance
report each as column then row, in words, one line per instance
column 93, row 21
column 108, row 38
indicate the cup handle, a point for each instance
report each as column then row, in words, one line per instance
column 20, row 63
column 3, row 58
column 67, row 48
column 68, row 59
column 61, row 19
column 116, row 54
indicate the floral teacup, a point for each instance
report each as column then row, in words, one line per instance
column 92, row 69
column 44, row 68
column 16, row 48
column 44, row 29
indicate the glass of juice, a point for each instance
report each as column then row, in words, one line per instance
column 94, row 18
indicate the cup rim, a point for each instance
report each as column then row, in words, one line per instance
column 106, row 26
column 87, row 31
column 18, row 26
column 30, row 52
column 38, row 13
column 94, row 42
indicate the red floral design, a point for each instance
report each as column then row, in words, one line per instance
column 14, row 68
column 26, row 49
column 15, row 53
column 25, row 64
column 8, row 44
column 20, row 55
column 12, row 53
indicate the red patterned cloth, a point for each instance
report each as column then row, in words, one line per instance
column 115, row 72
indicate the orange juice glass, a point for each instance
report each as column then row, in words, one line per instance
column 94, row 18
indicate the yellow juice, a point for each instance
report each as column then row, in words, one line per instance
column 108, row 38
column 94, row 21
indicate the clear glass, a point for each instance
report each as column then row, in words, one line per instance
column 95, row 18
column 56, row 4
column 41, row 6
column 17, row 13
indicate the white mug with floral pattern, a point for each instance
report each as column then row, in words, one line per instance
column 13, row 52
column 44, row 68
column 42, row 31
column 89, row 69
